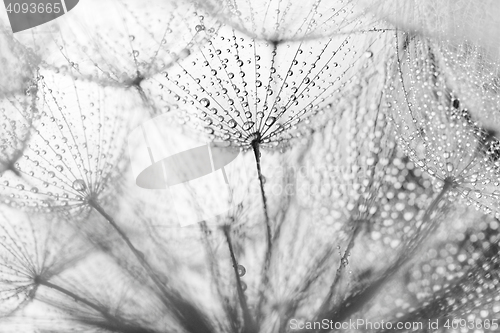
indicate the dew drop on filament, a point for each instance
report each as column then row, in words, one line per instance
column 79, row 185
column 248, row 125
column 241, row 270
column 205, row 102
column 270, row 121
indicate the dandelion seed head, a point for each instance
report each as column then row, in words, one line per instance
column 120, row 41
column 443, row 140
column 30, row 250
column 238, row 89
column 75, row 147
column 283, row 20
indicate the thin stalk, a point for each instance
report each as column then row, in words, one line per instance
column 338, row 273
column 139, row 256
column 249, row 324
column 115, row 324
column 190, row 317
column 355, row 302
column 232, row 316
column 256, row 151
column 268, row 255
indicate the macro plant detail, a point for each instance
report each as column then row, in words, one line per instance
column 362, row 189
column 440, row 134
column 64, row 159
column 240, row 89
column 283, row 20
column 120, row 42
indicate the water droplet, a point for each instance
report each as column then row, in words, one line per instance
column 270, row 121
column 248, row 125
column 241, row 270
column 231, row 123
column 199, row 28
column 79, row 185
column 205, row 102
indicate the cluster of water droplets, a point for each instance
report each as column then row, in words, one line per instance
column 435, row 127
column 241, row 90
column 76, row 143
column 364, row 193
column 363, row 198
column 17, row 64
column 457, row 276
column 16, row 116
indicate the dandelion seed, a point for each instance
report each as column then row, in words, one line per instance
column 441, row 139
column 243, row 90
column 463, row 44
column 31, row 250
column 333, row 243
column 84, row 129
column 120, row 41
column 259, row 92
column 279, row 20
column 472, row 23
column 100, row 303
column 69, row 158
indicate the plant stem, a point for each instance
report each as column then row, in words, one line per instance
column 249, row 325
column 139, row 256
column 116, row 324
column 268, row 255
column 338, row 273
column 232, row 317
column 190, row 317
column 356, row 301
column 256, row 151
